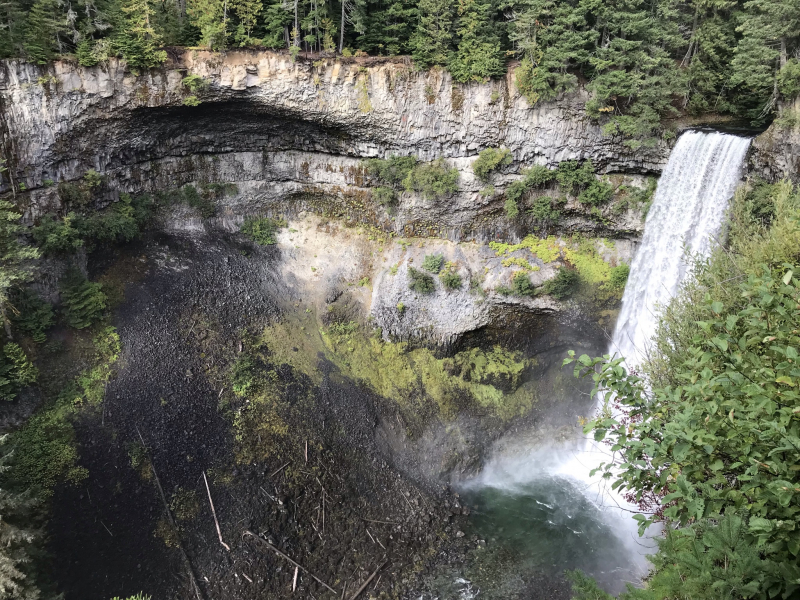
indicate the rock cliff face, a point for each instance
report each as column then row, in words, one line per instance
column 281, row 130
column 776, row 152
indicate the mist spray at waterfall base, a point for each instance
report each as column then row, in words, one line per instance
column 542, row 502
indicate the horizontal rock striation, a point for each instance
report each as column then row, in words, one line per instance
column 284, row 130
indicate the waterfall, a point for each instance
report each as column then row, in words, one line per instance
column 688, row 208
column 572, row 520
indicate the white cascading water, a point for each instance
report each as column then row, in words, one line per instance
column 688, row 209
column 687, row 214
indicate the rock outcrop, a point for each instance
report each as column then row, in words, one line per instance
column 776, row 152
column 283, row 130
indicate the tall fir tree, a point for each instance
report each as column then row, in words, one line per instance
column 479, row 55
column 45, row 24
column 432, row 42
column 139, row 42
column 211, row 18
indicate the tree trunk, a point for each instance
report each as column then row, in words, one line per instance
column 341, row 31
column 783, row 52
column 296, row 32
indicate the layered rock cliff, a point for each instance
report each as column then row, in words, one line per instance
column 279, row 128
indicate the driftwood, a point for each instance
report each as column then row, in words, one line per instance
column 214, row 512
column 282, row 555
column 189, row 567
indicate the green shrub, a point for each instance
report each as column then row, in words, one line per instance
column 433, row 263
column 503, row 290
column 789, row 79
column 262, row 230
column 451, row 280
column 385, row 196
column 433, row 180
column 57, row 236
column 490, row 160
column 596, row 194
column 511, row 208
column 573, row 177
column 535, row 177
column 563, row 285
column 31, row 315
column 194, row 83
column 392, row 170
column 246, row 375
column 760, row 202
column 16, row 371
column 203, row 203
column 543, row 211
column 619, row 276
column 521, row 284
column 74, row 194
column 84, row 301
column 420, row 282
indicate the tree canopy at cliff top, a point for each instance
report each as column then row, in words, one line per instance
column 643, row 60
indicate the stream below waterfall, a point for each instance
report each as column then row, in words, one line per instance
column 540, row 503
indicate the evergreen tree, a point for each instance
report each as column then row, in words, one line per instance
column 771, row 31
column 12, row 31
column 432, row 41
column 139, row 42
column 479, row 55
column 247, row 11
column 211, row 18
column 277, row 21
column 15, row 258
column 45, row 24
column 15, row 540
column 552, row 38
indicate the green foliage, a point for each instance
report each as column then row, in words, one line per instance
column 511, row 208
column 84, row 301
column 262, row 230
column 30, row 314
column 450, row 278
column 544, row 212
column 120, row 223
column 209, row 17
column 585, row 588
column 390, row 171
column 479, row 55
column 16, row 371
column 490, row 160
column 45, row 446
column 138, row 41
column 717, row 420
column 15, row 258
column 521, row 284
column 57, row 236
column 385, row 196
column 432, row 41
column 789, row 79
column 535, row 177
column 420, row 282
column 17, row 537
column 43, row 30
column 433, row 180
column 574, row 178
column 597, row 193
column 433, row 263
column 619, row 276
column 563, row 285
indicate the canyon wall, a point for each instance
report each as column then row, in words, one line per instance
column 281, row 130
